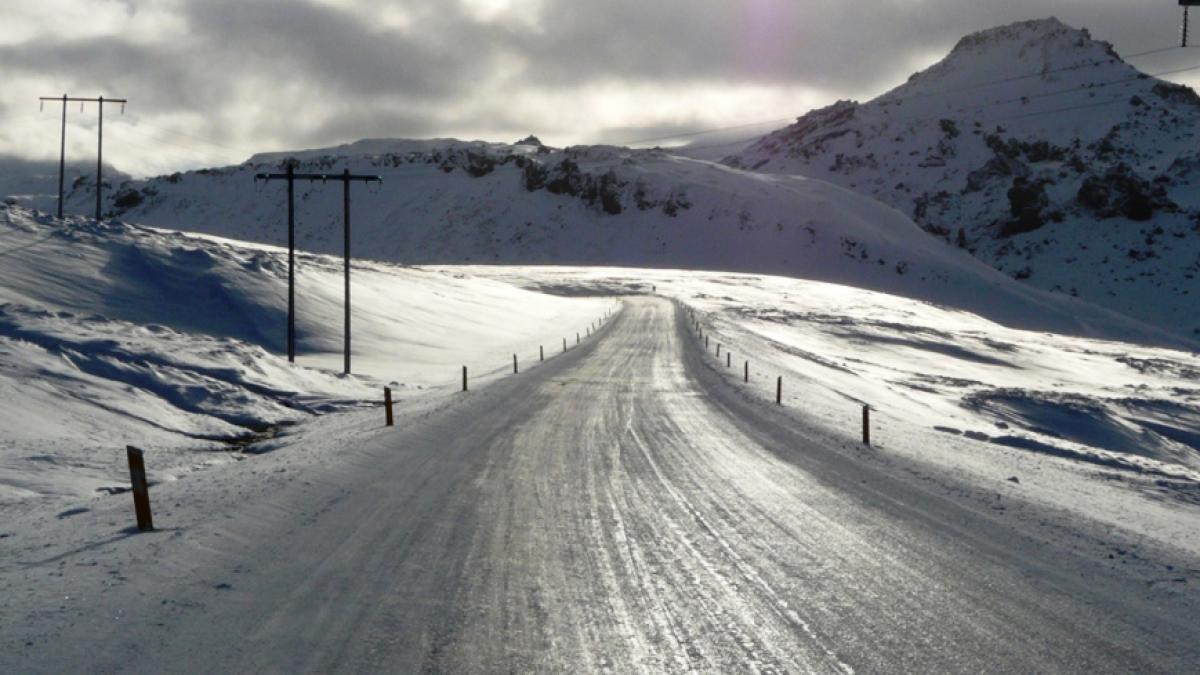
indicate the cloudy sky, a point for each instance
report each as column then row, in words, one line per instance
column 212, row 81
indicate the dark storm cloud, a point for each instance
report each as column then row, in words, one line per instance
column 327, row 57
column 304, row 72
column 340, row 52
column 332, row 51
column 350, row 125
column 158, row 75
column 827, row 44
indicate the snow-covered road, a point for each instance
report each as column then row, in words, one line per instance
column 623, row 508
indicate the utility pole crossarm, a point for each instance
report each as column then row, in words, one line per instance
column 62, row 157
column 345, row 178
column 319, row 176
column 71, row 99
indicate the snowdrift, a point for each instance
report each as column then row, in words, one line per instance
column 113, row 334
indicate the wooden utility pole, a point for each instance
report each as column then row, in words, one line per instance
column 62, row 149
column 1186, row 4
column 291, row 176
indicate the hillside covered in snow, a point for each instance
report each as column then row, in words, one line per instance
column 454, row 202
column 113, row 334
column 1040, row 151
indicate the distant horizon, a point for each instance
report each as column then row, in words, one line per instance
column 214, row 83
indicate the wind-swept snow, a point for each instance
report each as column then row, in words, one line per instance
column 113, row 334
column 620, row 509
column 933, row 373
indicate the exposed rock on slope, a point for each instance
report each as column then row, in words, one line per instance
column 446, row 201
column 1040, row 151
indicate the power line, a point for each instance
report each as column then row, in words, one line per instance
column 899, row 99
column 1126, row 80
column 1053, row 111
column 1072, row 108
column 1090, row 87
column 141, row 122
column 158, row 151
column 691, row 134
column 190, row 148
column 1044, row 73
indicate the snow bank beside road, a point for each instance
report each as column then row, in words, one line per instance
column 1104, row 430
column 113, row 334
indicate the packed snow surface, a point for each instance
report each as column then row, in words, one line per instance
column 622, row 509
column 116, row 334
column 1026, row 458
column 1025, row 445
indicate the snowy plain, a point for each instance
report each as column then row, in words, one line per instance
column 99, row 351
column 487, row 529
column 1015, row 401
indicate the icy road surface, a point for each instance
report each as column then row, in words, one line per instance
column 620, row 508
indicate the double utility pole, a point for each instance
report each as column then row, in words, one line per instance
column 62, row 151
column 291, row 177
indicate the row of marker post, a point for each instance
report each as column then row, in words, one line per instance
column 699, row 328
column 592, row 328
column 137, row 461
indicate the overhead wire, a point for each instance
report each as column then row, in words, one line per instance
column 1101, row 85
column 222, row 156
column 1053, row 71
column 1083, row 88
column 900, row 99
column 1084, row 106
column 1088, row 87
column 141, row 122
column 692, row 134
column 132, row 126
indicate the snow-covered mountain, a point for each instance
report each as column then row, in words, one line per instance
column 446, row 201
column 1039, row 150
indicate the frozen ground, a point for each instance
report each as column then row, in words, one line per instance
column 112, row 334
column 622, row 509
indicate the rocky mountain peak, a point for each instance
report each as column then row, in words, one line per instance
column 1037, row 149
column 1049, row 31
column 1045, row 47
